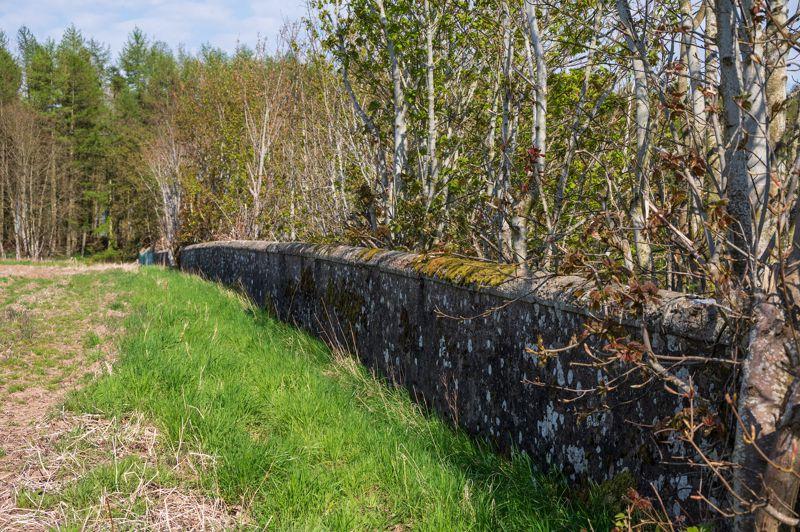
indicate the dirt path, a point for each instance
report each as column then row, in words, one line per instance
column 46, row 271
column 58, row 333
column 51, row 339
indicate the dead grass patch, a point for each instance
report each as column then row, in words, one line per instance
column 95, row 473
column 45, row 271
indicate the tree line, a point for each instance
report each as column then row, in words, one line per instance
column 102, row 156
column 640, row 144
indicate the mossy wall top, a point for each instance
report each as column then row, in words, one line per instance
column 473, row 342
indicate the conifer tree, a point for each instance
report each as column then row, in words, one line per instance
column 10, row 73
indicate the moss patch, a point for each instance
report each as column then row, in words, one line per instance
column 348, row 304
column 370, row 253
column 464, row 271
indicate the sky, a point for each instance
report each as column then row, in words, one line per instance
column 221, row 23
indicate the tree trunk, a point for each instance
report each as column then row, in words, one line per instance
column 781, row 477
column 697, row 113
column 506, row 131
column 734, row 170
column 776, row 48
column 519, row 221
column 757, row 127
column 641, row 193
column 380, row 153
column 400, row 127
column 432, row 161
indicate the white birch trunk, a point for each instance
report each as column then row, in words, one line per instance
column 641, row 193
column 432, row 161
column 400, row 127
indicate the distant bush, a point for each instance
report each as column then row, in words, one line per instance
column 110, row 254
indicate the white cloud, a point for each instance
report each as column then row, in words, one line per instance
column 221, row 23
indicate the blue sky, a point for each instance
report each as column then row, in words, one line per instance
column 222, row 23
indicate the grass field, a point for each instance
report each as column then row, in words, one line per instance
column 270, row 428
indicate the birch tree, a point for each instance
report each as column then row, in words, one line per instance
column 643, row 128
column 165, row 158
column 400, row 127
column 26, row 158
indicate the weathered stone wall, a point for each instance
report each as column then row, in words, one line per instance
column 149, row 257
column 474, row 354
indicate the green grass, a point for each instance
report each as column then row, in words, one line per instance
column 303, row 439
column 91, row 339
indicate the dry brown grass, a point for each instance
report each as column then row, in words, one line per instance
column 153, row 491
column 45, row 271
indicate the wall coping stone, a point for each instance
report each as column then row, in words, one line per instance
column 678, row 314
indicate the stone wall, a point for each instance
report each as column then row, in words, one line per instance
column 474, row 354
column 150, row 257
